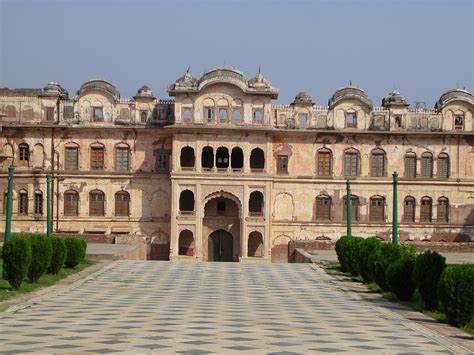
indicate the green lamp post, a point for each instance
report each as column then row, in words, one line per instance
column 395, row 210
column 8, row 214
column 49, row 222
column 348, row 208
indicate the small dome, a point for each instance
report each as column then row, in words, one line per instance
column 144, row 91
column 303, row 98
column 100, row 85
column 350, row 92
column 54, row 89
column 456, row 95
column 223, row 72
column 394, row 98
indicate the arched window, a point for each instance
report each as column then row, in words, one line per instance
column 237, row 115
column 223, row 115
column 409, row 209
column 96, row 203
column 187, row 157
column 351, row 162
column 377, row 163
column 38, row 205
column 97, row 158
column 122, row 203
column 122, row 155
column 222, row 158
column 426, row 209
column 23, row 203
column 186, row 243
column 377, row 209
column 10, row 111
column 71, row 158
column 354, row 208
column 258, row 116
column 351, row 119
column 187, row 115
column 410, row 165
column 256, row 203
column 255, row 245
column 443, row 166
column 97, row 114
column 323, row 208
column 257, row 159
column 71, row 203
column 237, row 159
column 459, row 122
column 324, row 162
column 186, row 201
column 24, row 152
column 207, row 158
column 208, row 114
column 143, row 116
column 427, row 165
column 303, row 120
column 443, row 210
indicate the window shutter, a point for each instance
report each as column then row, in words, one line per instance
column 71, row 159
column 350, row 164
column 97, row 159
column 23, row 204
column 282, row 164
column 377, row 209
column 425, row 211
column 38, row 208
column 71, row 201
column 122, row 204
column 96, row 204
column 121, row 159
column 323, row 208
column 409, row 210
column 443, row 210
column 378, row 165
column 443, row 171
column 354, row 209
column 410, row 167
column 426, row 167
column 324, row 164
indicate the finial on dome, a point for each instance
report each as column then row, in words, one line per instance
column 350, row 82
column 187, row 70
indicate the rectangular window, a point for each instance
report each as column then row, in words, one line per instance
column 351, row 120
column 378, row 162
column 425, row 211
column 354, row 209
column 323, row 209
column 162, row 162
column 443, row 168
column 97, row 114
column 96, row 204
column 324, row 164
column 71, row 204
column 49, row 113
column 376, row 210
column 208, row 114
column 350, row 164
column 38, row 204
column 68, row 112
column 443, row 211
column 409, row 211
column 282, row 164
column 24, row 152
column 121, row 159
column 410, row 167
column 71, row 158
column 23, row 204
column 459, row 122
column 427, row 167
column 97, row 158
column 121, row 204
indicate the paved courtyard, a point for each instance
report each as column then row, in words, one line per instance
column 163, row 307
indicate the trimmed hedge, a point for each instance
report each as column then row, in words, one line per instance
column 400, row 277
column 366, row 248
column 75, row 251
column 83, row 248
column 59, row 255
column 16, row 259
column 41, row 251
column 346, row 250
column 426, row 273
column 456, row 294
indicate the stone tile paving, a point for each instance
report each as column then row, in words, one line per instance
column 162, row 307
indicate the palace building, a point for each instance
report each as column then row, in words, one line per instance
column 220, row 173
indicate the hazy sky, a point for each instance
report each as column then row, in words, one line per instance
column 421, row 48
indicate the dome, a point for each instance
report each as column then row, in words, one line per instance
column 350, row 92
column 54, row 89
column 223, row 72
column 100, row 85
column 456, row 95
column 303, row 98
column 394, row 98
column 144, row 92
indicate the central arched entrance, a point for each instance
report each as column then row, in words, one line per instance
column 220, row 246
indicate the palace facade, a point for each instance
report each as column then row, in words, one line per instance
column 220, row 173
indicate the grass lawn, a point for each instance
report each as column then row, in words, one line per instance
column 416, row 303
column 46, row 280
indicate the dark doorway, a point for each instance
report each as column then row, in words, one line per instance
column 220, row 246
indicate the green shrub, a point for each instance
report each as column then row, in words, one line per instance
column 426, row 273
column 16, row 260
column 41, row 252
column 346, row 249
column 59, row 255
column 74, row 251
column 83, row 248
column 366, row 248
column 456, row 294
column 399, row 277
